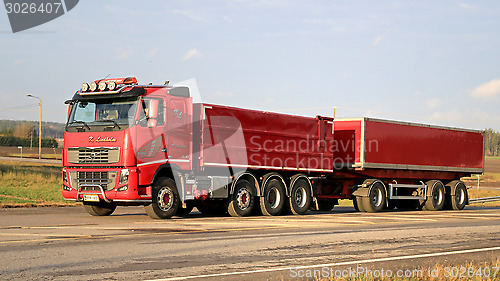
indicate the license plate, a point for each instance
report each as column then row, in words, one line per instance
column 91, row 198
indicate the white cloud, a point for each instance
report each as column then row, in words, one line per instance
column 377, row 40
column 487, row 90
column 123, row 53
column 192, row 54
column 433, row 103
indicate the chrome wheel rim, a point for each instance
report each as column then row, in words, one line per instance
column 165, row 199
column 243, row 198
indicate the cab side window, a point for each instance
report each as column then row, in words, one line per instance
column 144, row 110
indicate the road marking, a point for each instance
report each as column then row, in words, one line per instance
column 73, row 237
column 332, row 264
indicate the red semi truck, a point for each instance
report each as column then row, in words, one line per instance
column 129, row 144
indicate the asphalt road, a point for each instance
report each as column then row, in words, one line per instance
column 68, row 244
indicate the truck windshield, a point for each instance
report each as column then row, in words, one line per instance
column 116, row 113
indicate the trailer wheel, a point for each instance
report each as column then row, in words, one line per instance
column 460, row 197
column 435, row 196
column 165, row 199
column 99, row 209
column 242, row 200
column 375, row 201
column 358, row 204
column 273, row 199
column 300, row 197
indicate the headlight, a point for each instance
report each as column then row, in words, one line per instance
column 111, row 85
column 64, row 175
column 102, row 86
column 123, row 176
column 85, row 87
column 93, row 86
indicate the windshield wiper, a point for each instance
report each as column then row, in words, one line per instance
column 116, row 124
column 80, row 122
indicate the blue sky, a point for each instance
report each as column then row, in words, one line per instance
column 433, row 62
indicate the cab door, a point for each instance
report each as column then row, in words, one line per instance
column 151, row 140
column 179, row 130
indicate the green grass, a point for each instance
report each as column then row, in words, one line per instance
column 22, row 182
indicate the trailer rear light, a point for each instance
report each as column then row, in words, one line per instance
column 93, row 86
column 85, row 87
column 103, row 86
column 111, row 85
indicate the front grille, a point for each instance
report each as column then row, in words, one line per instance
column 93, row 155
column 90, row 181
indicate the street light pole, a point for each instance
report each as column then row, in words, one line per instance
column 39, row 126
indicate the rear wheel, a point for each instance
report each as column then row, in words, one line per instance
column 375, row 201
column 357, row 201
column 456, row 196
column 435, row 196
column 165, row 199
column 273, row 199
column 300, row 197
column 99, row 209
column 242, row 200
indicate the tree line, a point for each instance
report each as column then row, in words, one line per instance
column 25, row 133
column 491, row 142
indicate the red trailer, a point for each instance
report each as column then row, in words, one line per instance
column 129, row 144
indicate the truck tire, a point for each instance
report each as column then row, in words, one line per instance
column 99, row 209
column 459, row 198
column 300, row 197
column 242, row 200
column 435, row 196
column 376, row 199
column 273, row 198
column 358, row 204
column 165, row 199
column 326, row 205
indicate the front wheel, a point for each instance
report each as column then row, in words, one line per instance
column 300, row 197
column 242, row 200
column 99, row 209
column 165, row 199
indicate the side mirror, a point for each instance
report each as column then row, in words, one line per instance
column 153, row 109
